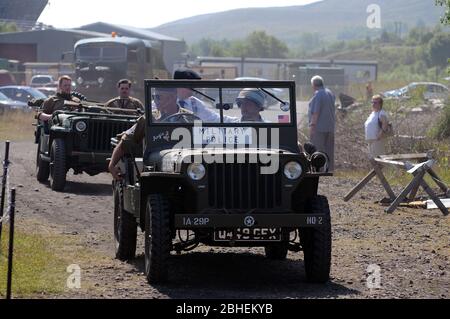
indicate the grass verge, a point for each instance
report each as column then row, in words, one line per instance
column 16, row 125
column 42, row 255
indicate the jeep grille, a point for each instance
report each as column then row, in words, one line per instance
column 100, row 133
column 242, row 186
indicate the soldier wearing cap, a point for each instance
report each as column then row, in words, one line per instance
column 124, row 100
column 189, row 102
column 56, row 102
column 165, row 100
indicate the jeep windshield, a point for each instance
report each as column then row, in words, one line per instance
column 224, row 103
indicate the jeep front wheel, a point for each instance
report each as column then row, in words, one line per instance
column 42, row 167
column 158, row 240
column 316, row 243
column 125, row 229
column 58, row 165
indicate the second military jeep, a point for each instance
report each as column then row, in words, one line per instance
column 77, row 138
column 233, row 182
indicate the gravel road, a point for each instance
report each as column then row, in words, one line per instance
column 410, row 248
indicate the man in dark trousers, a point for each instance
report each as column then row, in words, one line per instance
column 321, row 119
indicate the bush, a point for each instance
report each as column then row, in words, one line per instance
column 442, row 129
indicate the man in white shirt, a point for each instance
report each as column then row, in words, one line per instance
column 189, row 102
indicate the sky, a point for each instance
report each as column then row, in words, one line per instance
column 143, row 13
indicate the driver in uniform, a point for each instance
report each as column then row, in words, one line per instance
column 167, row 110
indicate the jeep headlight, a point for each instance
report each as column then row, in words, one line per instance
column 196, row 171
column 101, row 80
column 81, row 126
column 292, row 170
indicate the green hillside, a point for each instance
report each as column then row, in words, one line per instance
column 333, row 19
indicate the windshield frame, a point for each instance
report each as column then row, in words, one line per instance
column 216, row 84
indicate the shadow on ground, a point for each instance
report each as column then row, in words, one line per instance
column 240, row 275
column 88, row 189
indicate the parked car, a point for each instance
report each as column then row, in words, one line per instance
column 431, row 90
column 42, row 80
column 7, row 103
column 22, row 93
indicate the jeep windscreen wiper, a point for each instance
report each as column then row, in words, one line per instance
column 204, row 95
column 272, row 95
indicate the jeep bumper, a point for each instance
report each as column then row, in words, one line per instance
column 193, row 221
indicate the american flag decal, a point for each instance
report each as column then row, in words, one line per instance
column 283, row 119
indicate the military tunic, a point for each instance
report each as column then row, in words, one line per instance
column 136, row 133
column 56, row 102
column 130, row 103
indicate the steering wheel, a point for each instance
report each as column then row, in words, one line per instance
column 181, row 118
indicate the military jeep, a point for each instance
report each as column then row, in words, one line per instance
column 236, row 182
column 77, row 138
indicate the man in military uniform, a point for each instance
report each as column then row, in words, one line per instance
column 124, row 100
column 165, row 100
column 57, row 102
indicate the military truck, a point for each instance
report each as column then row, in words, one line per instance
column 77, row 138
column 235, row 182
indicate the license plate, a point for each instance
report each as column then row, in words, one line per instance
column 248, row 234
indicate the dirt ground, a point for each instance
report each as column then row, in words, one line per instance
column 411, row 247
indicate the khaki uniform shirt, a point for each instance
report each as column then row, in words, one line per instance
column 56, row 102
column 136, row 133
column 130, row 103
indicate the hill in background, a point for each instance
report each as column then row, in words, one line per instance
column 332, row 19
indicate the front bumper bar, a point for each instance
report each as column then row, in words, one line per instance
column 195, row 221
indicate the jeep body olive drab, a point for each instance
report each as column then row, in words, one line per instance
column 77, row 138
column 238, row 181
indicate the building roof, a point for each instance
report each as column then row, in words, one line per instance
column 73, row 31
column 127, row 31
column 28, row 10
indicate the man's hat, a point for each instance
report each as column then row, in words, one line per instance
column 255, row 95
column 186, row 74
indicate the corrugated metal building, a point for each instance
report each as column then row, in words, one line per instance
column 41, row 45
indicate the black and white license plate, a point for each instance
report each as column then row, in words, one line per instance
column 248, row 234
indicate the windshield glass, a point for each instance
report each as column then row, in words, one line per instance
column 3, row 97
column 99, row 53
column 252, row 105
column 36, row 93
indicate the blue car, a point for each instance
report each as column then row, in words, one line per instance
column 7, row 104
column 21, row 93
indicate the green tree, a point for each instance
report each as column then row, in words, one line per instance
column 261, row 45
column 445, row 3
column 439, row 48
column 7, row 27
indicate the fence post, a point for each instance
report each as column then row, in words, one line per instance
column 11, row 243
column 4, row 180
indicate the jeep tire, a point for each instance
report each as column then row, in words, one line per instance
column 125, row 229
column 58, row 165
column 42, row 167
column 316, row 243
column 158, row 240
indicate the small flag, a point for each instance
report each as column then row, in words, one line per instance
column 283, row 119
